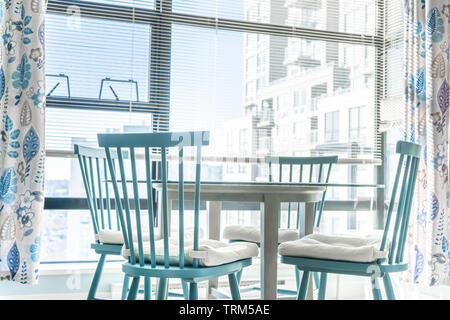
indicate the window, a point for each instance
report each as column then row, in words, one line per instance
column 313, row 126
column 356, row 126
column 209, row 65
column 243, row 142
column 303, row 98
column 296, row 98
column 259, row 62
column 332, row 126
column 85, row 74
column 260, row 83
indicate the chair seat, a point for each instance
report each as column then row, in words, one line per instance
column 187, row 273
column 319, row 246
column 209, row 253
column 343, row 267
column 253, row 234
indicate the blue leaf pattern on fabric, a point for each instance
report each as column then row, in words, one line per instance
column 15, row 134
column 2, row 83
column 418, row 268
column 14, row 144
column 8, row 124
column 22, row 76
column 420, row 84
column 42, row 35
column 13, row 260
column 435, row 25
column 8, row 186
column 13, row 154
column 30, row 145
column 444, row 244
column 434, row 206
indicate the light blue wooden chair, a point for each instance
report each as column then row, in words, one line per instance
column 105, row 221
column 318, row 170
column 392, row 244
column 310, row 170
column 152, row 258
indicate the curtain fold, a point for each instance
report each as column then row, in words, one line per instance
column 22, row 154
column 426, row 109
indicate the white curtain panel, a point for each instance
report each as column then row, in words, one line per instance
column 427, row 46
column 22, row 93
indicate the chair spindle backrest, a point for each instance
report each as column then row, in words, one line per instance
column 94, row 172
column 154, row 142
column 321, row 164
column 406, row 174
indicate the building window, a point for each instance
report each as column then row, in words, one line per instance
column 296, row 98
column 355, row 125
column 313, row 128
column 303, row 98
column 345, row 57
column 260, row 83
column 244, row 145
column 332, row 126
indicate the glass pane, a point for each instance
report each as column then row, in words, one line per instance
column 81, row 52
column 67, row 236
column 334, row 15
column 233, row 91
column 65, row 126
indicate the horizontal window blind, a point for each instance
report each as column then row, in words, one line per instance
column 392, row 102
column 261, row 72
column 97, row 73
column 261, row 75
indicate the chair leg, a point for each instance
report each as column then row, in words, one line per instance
column 234, row 287
column 125, row 286
column 193, row 291
column 388, row 287
column 185, row 287
column 133, row 289
column 147, row 288
column 376, row 289
column 297, row 277
column 162, row 289
column 323, row 285
column 316, row 279
column 239, row 276
column 96, row 279
column 301, row 293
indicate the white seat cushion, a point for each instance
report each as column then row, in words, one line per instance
column 319, row 246
column 253, row 234
column 110, row 237
column 116, row 237
column 210, row 252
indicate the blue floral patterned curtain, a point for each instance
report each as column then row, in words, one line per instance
column 427, row 55
column 22, row 99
